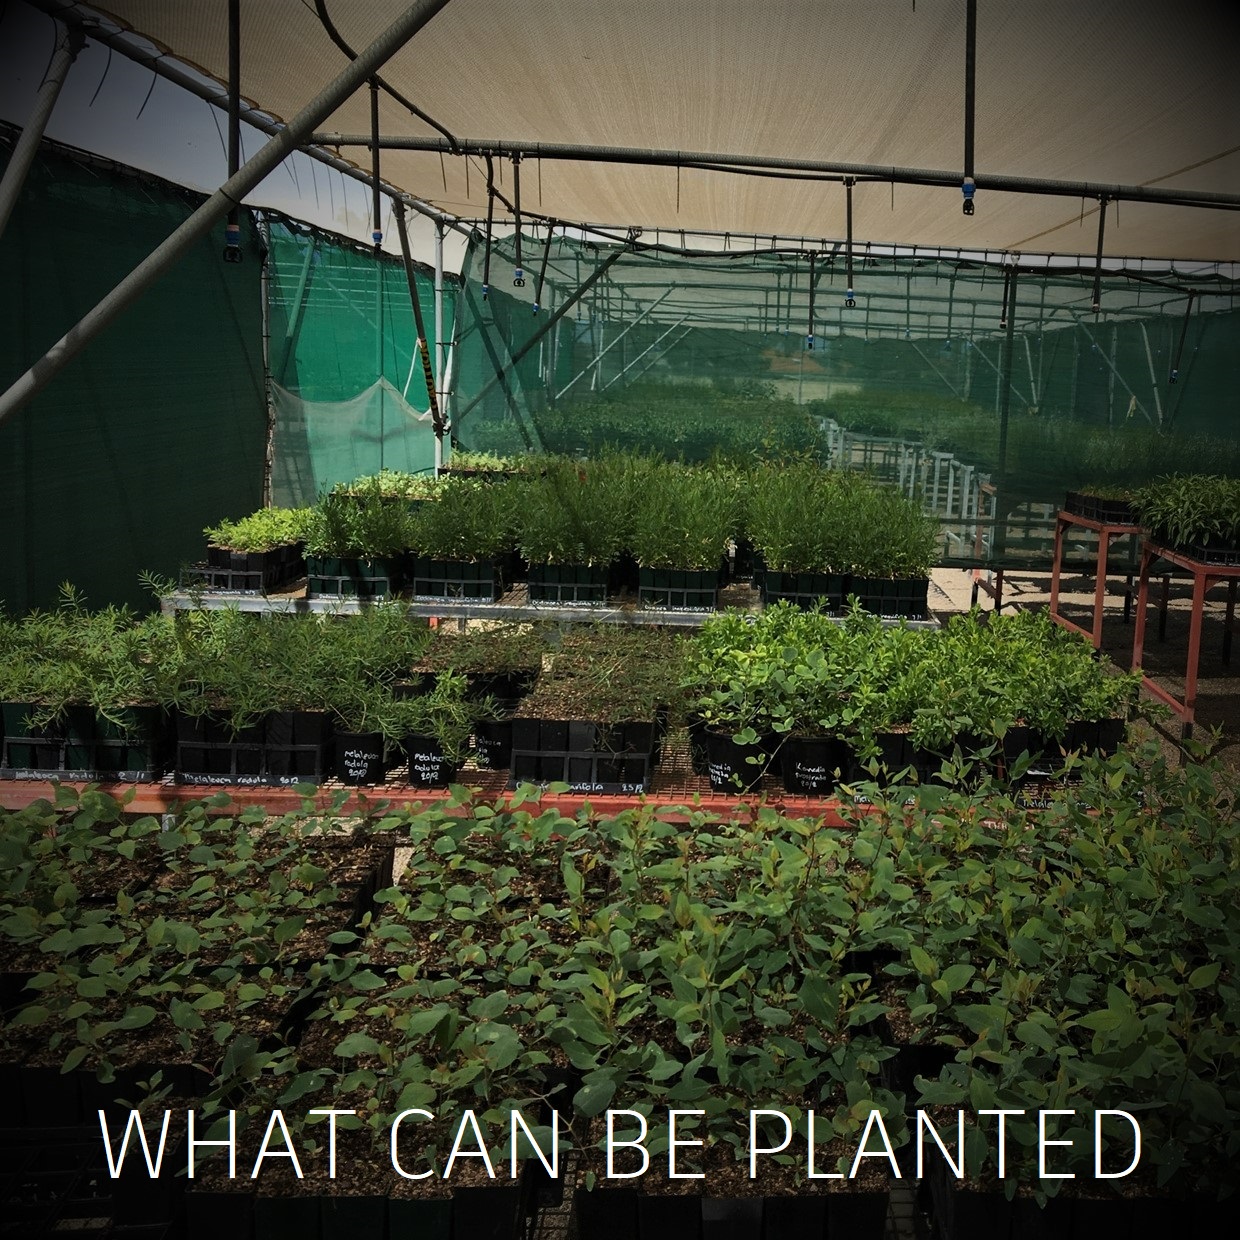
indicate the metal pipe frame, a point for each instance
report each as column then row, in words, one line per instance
column 233, row 231
column 565, row 306
column 68, row 44
column 437, row 422
column 200, row 223
column 71, row 14
column 647, row 349
column 506, row 148
column 607, row 348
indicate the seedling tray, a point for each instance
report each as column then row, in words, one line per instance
column 568, row 583
column 680, row 589
column 334, row 577
column 459, row 580
column 1224, row 557
column 25, row 757
column 588, row 757
column 826, row 590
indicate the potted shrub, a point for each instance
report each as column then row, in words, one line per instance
column 462, row 541
column 437, row 726
column 261, row 552
column 354, row 541
column 682, row 520
column 574, row 521
column 596, row 715
column 1195, row 514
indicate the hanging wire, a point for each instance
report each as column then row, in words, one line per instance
column 149, row 93
column 104, row 78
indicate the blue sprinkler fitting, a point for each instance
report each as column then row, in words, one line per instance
column 968, row 189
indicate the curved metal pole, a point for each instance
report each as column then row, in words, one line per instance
column 68, row 44
column 200, row 223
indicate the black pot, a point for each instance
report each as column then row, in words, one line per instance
column 896, row 752
column 493, row 743
column 733, row 767
column 1098, row 736
column 346, row 1218
column 697, row 746
column 732, row 1218
column 286, row 1218
column 359, row 758
column 669, row 1218
column 425, row 1219
column 503, row 686
column 803, row 1217
column 487, row 1213
column 1019, row 740
column 606, row 1213
column 429, row 766
column 810, row 764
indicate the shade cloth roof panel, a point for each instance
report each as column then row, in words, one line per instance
column 1143, row 93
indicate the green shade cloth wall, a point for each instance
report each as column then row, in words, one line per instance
column 340, row 321
column 155, row 430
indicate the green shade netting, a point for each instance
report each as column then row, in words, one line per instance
column 340, row 321
column 320, row 443
column 705, row 352
column 158, row 427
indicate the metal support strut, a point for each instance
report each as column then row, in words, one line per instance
column 542, row 270
column 809, row 331
column 849, row 299
column 565, row 306
column 967, row 186
column 486, row 253
column 1179, row 350
column 68, row 44
column 437, row 421
column 1096, row 302
column 518, row 272
column 376, row 205
column 232, row 226
column 231, row 193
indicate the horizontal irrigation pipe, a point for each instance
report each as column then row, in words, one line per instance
column 72, row 15
column 877, row 172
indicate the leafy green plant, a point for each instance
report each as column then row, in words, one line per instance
column 471, row 521
column 683, row 517
column 260, row 531
column 363, row 523
column 1191, row 510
